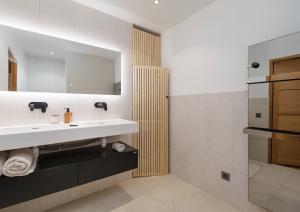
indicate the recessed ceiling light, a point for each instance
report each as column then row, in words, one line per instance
column 52, row 53
column 156, row 2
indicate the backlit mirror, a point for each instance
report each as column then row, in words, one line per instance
column 31, row 62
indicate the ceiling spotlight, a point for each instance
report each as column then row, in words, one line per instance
column 52, row 53
column 156, row 2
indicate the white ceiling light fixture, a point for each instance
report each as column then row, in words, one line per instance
column 52, row 53
column 156, row 2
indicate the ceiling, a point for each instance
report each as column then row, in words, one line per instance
column 145, row 13
column 35, row 44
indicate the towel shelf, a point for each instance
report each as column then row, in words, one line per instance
column 60, row 171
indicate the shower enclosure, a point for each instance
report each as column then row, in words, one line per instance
column 274, row 123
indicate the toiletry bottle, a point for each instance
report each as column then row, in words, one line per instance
column 68, row 116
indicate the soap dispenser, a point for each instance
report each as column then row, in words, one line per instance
column 68, row 116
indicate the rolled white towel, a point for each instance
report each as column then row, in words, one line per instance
column 119, row 147
column 3, row 156
column 21, row 162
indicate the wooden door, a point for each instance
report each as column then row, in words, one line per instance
column 12, row 76
column 150, row 104
column 150, row 110
column 286, row 111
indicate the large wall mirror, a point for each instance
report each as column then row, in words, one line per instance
column 31, row 62
column 274, row 124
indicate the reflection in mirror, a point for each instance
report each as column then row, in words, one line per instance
column 37, row 63
column 274, row 158
column 263, row 52
column 259, row 105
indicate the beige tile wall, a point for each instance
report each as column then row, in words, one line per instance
column 206, row 137
column 258, row 146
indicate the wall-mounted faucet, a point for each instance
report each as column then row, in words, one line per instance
column 101, row 105
column 38, row 105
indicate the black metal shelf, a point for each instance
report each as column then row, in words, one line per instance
column 269, row 132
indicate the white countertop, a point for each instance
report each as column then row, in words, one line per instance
column 44, row 134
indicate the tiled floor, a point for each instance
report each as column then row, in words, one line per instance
column 274, row 187
column 154, row 194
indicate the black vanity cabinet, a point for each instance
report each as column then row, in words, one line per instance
column 101, row 164
column 60, row 171
column 40, row 183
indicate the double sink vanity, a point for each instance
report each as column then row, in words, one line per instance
column 65, row 169
column 40, row 63
column 47, row 134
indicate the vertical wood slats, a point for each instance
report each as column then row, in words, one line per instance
column 150, row 109
column 150, row 104
column 146, row 48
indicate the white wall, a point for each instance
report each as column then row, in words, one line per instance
column 45, row 75
column 89, row 74
column 207, row 57
column 68, row 20
column 207, row 53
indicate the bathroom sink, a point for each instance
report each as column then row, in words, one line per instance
column 29, row 128
column 45, row 134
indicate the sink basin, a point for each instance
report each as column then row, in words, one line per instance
column 44, row 134
column 29, row 128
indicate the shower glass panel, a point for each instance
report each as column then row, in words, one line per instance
column 274, row 124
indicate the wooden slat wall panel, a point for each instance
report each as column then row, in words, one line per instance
column 150, row 104
column 150, row 109
column 146, row 48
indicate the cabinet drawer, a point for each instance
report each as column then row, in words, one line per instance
column 108, row 165
column 40, row 183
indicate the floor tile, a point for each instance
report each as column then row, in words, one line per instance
column 149, row 194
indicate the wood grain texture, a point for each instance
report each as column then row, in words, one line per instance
column 150, row 104
column 146, row 48
column 150, row 109
column 289, row 65
column 13, row 76
column 286, row 110
column 286, row 106
column 285, row 76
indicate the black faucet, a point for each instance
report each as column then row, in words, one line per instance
column 38, row 105
column 101, row 105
